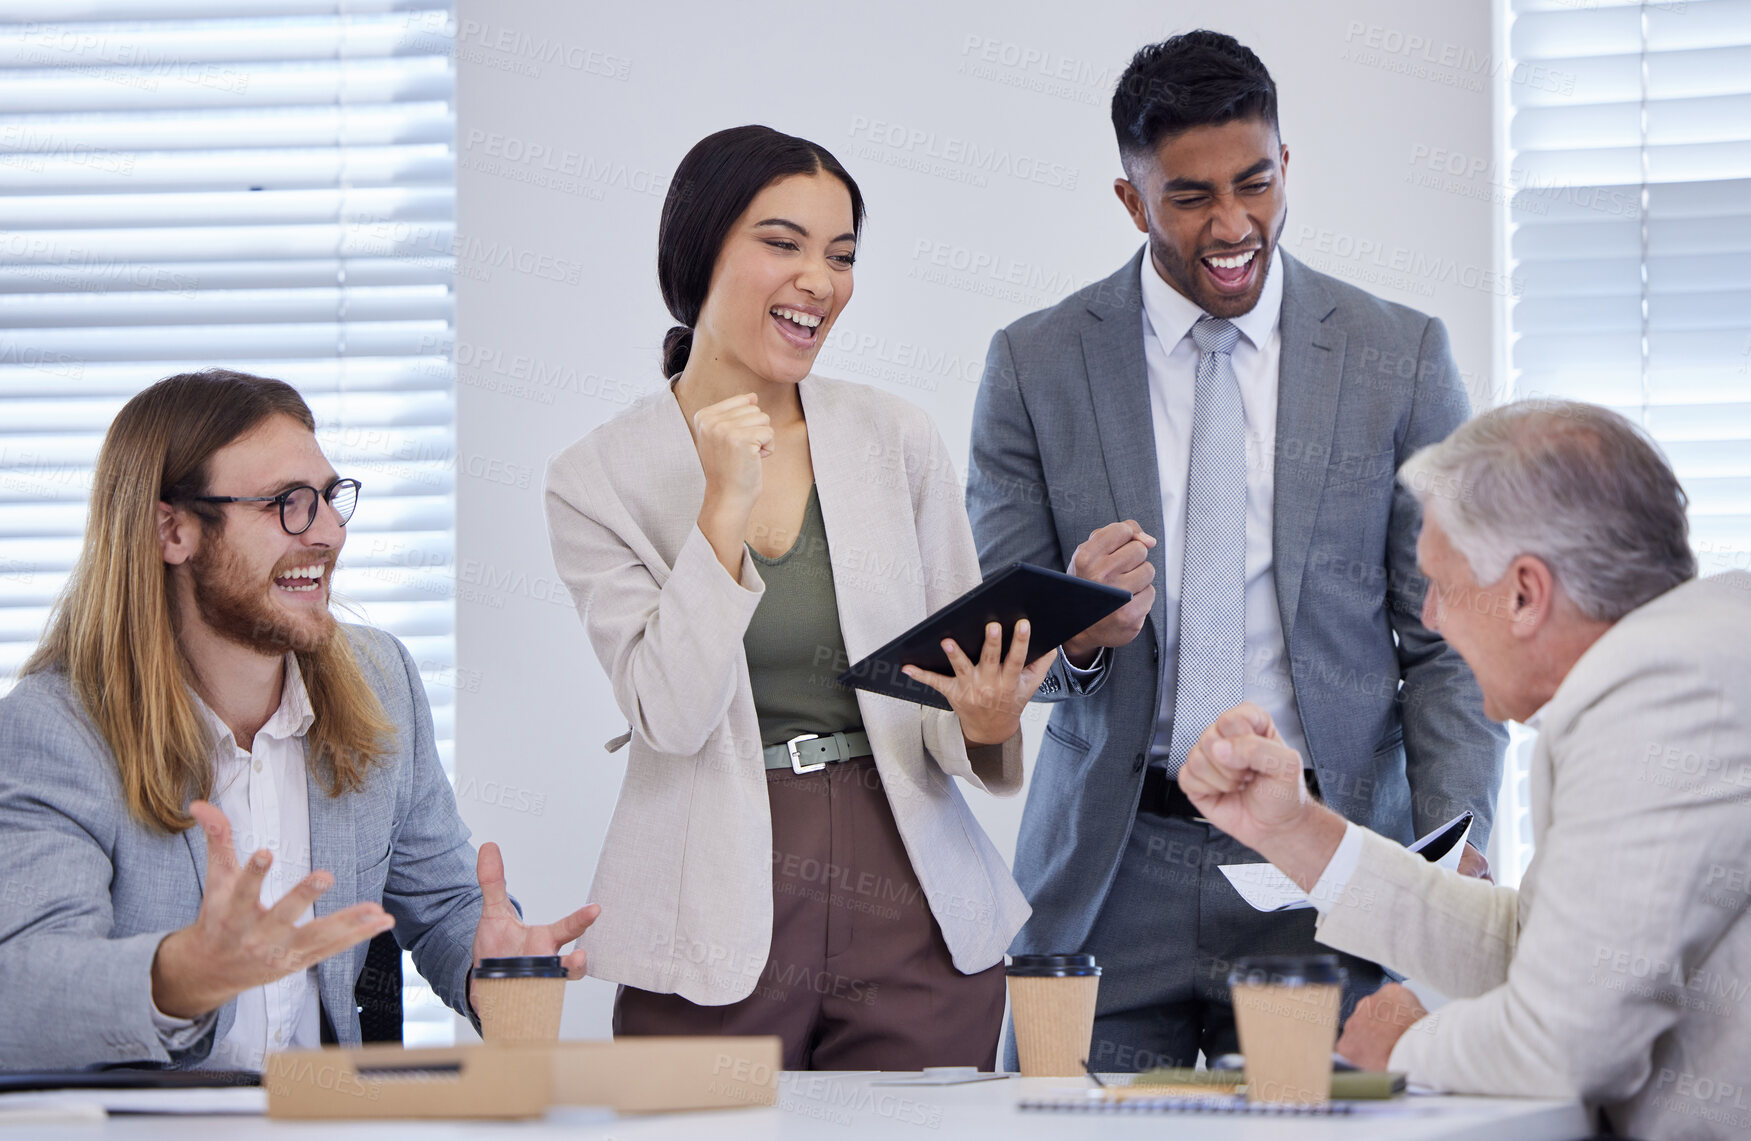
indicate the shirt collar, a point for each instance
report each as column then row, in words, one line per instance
column 1171, row 314
column 292, row 718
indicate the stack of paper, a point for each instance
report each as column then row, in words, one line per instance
column 1267, row 889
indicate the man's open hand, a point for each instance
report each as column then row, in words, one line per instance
column 235, row 943
column 502, row 933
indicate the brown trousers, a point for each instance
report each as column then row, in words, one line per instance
column 859, row 977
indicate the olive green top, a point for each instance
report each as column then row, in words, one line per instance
column 793, row 642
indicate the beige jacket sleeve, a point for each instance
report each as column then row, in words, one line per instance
column 951, row 566
column 670, row 643
column 1451, row 931
column 1614, row 918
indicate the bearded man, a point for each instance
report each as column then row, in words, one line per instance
column 212, row 794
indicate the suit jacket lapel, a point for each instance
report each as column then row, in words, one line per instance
column 1118, row 384
column 858, row 514
column 196, row 838
column 333, row 847
column 1310, row 376
column 869, row 522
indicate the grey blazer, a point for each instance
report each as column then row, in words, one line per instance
column 1618, row 972
column 685, row 875
column 1063, row 443
column 89, row 892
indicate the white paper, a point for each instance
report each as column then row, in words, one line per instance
column 941, row 1076
column 1266, row 889
column 30, row 1109
column 75, row 1105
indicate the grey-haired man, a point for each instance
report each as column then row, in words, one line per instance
column 1556, row 546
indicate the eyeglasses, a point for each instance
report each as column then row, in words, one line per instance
column 298, row 504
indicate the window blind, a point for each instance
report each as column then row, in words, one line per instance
column 1630, row 235
column 266, row 185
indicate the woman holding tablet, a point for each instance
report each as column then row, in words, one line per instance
column 787, row 856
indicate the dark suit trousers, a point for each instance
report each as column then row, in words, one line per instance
column 1166, row 937
column 858, row 977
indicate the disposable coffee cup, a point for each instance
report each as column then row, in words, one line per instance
column 1052, row 1000
column 1286, row 1012
column 520, row 999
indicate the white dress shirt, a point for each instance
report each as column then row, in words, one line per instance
column 263, row 793
column 1171, row 358
column 1335, row 880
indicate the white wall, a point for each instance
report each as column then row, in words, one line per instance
column 572, row 117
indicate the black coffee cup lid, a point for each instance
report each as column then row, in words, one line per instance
column 1287, row 970
column 521, row 967
column 1051, row 966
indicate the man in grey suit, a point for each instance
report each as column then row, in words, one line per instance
column 1558, row 556
column 192, row 674
column 1216, row 428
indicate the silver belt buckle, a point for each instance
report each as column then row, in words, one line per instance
column 796, row 764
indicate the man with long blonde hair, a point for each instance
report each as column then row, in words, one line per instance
column 214, row 792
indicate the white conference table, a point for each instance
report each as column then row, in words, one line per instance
column 813, row 1106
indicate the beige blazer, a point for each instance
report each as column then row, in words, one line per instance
column 1620, row 972
column 685, row 874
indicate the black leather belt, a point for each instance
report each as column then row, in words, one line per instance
column 1163, row 796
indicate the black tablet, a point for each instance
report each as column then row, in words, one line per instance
column 1443, row 840
column 1058, row 607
